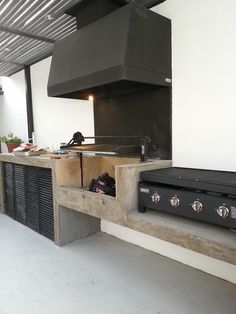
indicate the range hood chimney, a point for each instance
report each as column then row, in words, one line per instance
column 125, row 51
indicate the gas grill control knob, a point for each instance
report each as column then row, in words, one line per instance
column 175, row 201
column 155, row 198
column 197, row 206
column 223, row 211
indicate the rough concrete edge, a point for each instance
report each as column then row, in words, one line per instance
column 183, row 239
column 36, row 161
column 66, row 194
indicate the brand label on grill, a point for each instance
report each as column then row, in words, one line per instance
column 233, row 212
column 144, row 190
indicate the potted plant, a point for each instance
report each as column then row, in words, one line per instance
column 11, row 141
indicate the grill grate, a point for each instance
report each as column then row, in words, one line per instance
column 112, row 149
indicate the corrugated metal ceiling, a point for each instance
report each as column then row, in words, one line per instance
column 29, row 29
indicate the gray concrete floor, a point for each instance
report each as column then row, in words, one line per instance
column 100, row 275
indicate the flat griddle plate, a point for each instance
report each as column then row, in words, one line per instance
column 209, row 180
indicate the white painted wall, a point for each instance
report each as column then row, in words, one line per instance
column 204, row 80
column 13, row 106
column 57, row 119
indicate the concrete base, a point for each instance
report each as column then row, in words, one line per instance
column 75, row 225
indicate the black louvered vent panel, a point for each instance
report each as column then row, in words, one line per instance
column 32, row 198
column 9, row 189
column 29, row 197
column 20, row 197
column 46, row 203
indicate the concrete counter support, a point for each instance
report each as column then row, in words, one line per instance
column 75, row 225
column 113, row 209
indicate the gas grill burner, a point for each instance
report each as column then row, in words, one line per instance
column 205, row 195
column 75, row 144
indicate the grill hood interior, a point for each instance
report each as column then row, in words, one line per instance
column 123, row 52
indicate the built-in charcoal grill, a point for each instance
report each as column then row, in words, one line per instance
column 205, row 195
column 109, row 149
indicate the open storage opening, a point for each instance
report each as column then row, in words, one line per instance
column 89, row 167
column 94, row 166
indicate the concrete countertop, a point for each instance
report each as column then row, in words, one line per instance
column 38, row 161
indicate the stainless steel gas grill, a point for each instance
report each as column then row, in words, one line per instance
column 205, row 195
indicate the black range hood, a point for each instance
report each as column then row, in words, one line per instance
column 126, row 51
